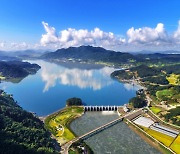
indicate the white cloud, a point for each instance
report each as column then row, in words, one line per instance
column 50, row 36
column 136, row 39
column 177, row 33
column 147, row 35
column 22, row 45
column 53, row 74
column 73, row 37
column 2, row 44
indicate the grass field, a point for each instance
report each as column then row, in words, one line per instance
column 58, row 123
column 175, row 146
column 168, row 93
column 155, row 109
column 165, row 139
column 173, row 79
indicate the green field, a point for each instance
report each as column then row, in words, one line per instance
column 166, row 93
column 170, row 95
column 58, row 123
column 175, row 146
column 173, row 79
column 155, row 109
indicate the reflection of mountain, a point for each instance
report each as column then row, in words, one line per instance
column 78, row 65
column 83, row 78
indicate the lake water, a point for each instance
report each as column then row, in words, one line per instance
column 118, row 139
column 47, row 90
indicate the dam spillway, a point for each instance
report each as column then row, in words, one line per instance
column 101, row 108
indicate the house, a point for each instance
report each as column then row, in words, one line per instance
column 125, row 108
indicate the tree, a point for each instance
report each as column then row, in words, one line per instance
column 74, row 101
column 137, row 102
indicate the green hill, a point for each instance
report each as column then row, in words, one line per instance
column 89, row 53
column 20, row 131
column 17, row 69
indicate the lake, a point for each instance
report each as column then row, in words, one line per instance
column 47, row 91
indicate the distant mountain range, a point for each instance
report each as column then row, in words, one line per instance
column 98, row 54
column 93, row 54
column 18, row 55
column 153, row 52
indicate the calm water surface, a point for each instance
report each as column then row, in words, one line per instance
column 46, row 91
column 118, row 139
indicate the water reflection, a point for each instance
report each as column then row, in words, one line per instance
column 130, row 86
column 47, row 91
column 53, row 74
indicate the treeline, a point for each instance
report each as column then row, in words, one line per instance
column 144, row 71
column 147, row 73
column 20, row 131
column 138, row 101
column 156, row 79
column 122, row 74
column 173, row 116
column 17, row 69
column 152, row 89
column 74, row 102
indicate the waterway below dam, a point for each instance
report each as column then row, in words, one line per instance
column 118, row 139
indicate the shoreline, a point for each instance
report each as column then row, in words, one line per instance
column 49, row 117
column 145, row 138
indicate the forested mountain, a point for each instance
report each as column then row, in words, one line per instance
column 20, row 131
column 89, row 53
column 17, row 69
column 98, row 54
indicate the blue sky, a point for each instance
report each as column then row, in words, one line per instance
column 21, row 22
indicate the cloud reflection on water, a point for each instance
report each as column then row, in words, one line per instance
column 130, row 87
column 83, row 78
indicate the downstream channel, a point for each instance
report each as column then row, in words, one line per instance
column 118, row 139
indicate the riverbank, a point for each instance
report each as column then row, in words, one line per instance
column 58, row 123
column 146, row 139
column 160, row 141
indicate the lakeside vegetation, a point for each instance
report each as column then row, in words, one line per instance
column 74, row 102
column 162, row 89
column 20, row 131
column 11, row 70
column 162, row 86
column 80, row 147
column 58, row 123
